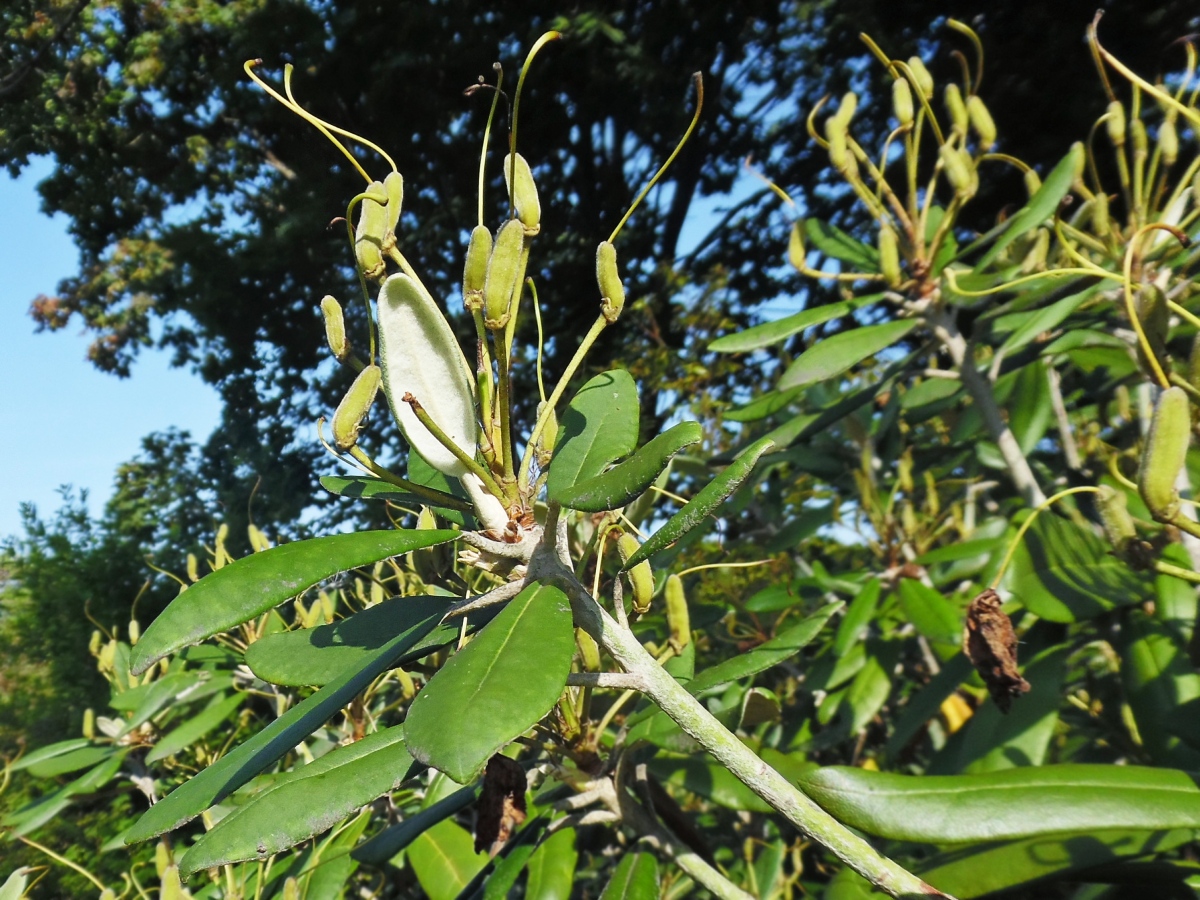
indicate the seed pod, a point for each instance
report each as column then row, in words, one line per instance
column 291, row 889
column 902, row 101
column 347, row 419
column 169, row 886
column 335, row 328
column 836, row 134
column 1114, row 123
column 678, row 621
column 89, row 723
column 524, row 193
column 589, row 650
column 1168, row 142
column 372, row 224
column 1155, row 318
column 1141, row 143
column 421, row 356
column 94, row 643
column 1165, row 453
column 1100, row 215
column 889, row 254
column 921, row 74
column 1035, row 259
column 1114, row 517
column 1033, row 182
column 430, row 563
column 502, row 273
column 797, row 255
column 846, row 109
column 956, row 109
column 958, row 169
column 135, row 631
column 162, row 858
column 608, row 278
column 479, row 251
column 393, row 186
column 982, row 122
column 641, row 578
column 547, row 439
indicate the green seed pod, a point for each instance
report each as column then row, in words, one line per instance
column 1114, row 517
column 335, row 328
column 135, row 631
column 837, row 135
column 107, row 894
column 641, row 578
column 430, row 563
column 89, row 723
column 372, row 225
column 94, row 643
column 1155, row 318
column 1035, row 259
column 502, row 273
column 678, row 621
column 1101, row 223
column 921, row 74
column 846, row 109
column 902, row 101
column 547, row 439
column 1114, row 123
column 608, row 278
column 956, row 109
column 1033, row 182
column 347, row 419
column 393, row 186
column 170, row 887
column 193, row 568
column 1141, row 143
column 162, row 858
column 1078, row 158
column 479, row 251
column 889, row 254
column 982, row 122
column 1165, row 453
column 589, row 650
column 797, row 255
column 524, row 193
column 957, row 166
column 1168, row 142
column 291, row 889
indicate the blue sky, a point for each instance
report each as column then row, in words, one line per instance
column 68, row 423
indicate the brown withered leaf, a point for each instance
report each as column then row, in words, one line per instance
column 501, row 804
column 991, row 645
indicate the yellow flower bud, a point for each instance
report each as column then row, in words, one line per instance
column 846, row 109
column 479, row 251
column 678, row 620
column 1165, row 453
column 797, row 254
column 347, row 419
column 89, row 723
column 982, row 122
column 1114, row 123
column 608, row 278
column 1168, row 141
column 1101, row 223
column 1137, row 133
column 135, row 631
column 641, row 578
column 889, row 254
column 162, row 858
column 524, row 193
column 393, row 186
column 335, row 328
column 838, row 137
column 958, row 167
column 503, row 270
column 956, row 109
column 902, row 101
column 921, row 74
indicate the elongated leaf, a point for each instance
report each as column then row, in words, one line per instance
column 1045, row 319
column 766, row 405
column 444, row 860
column 14, row 885
column 781, row 647
column 1041, row 205
column 858, row 617
column 1006, row 805
column 769, row 333
column 237, row 767
column 1065, row 573
column 36, row 814
column 628, row 480
column 933, row 615
column 49, row 752
column 1159, row 680
column 496, row 687
column 705, row 502
column 835, row 243
column 333, row 862
column 252, row 585
column 176, row 688
column 552, row 867
column 635, row 878
column 988, row 868
column 319, row 655
column 599, row 427
column 392, row 840
column 378, row 489
column 73, row 761
column 834, row 355
column 312, row 799
column 196, row 727
column 422, row 473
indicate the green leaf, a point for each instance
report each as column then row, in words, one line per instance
column 49, row 752
column 858, row 617
column 628, row 480
column 635, row 878
column 552, row 867
column 444, row 860
column 932, row 614
column 495, row 688
column 1041, row 205
column 422, row 473
column 766, row 405
column 1007, row 805
column 370, row 488
column 1033, row 323
column 769, row 333
column 395, row 838
column 872, row 685
column 332, row 861
column 305, row 802
column 835, row 243
column 196, row 727
column 73, row 761
column 783, row 646
column 254, row 584
column 14, row 885
column 834, row 355
column 318, row 655
column 1159, row 679
column 706, row 500
column 40, row 811
column 599, row 427
column 1064, row 573
column 237, row 767
column 987, row 868
column 1029, row 407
